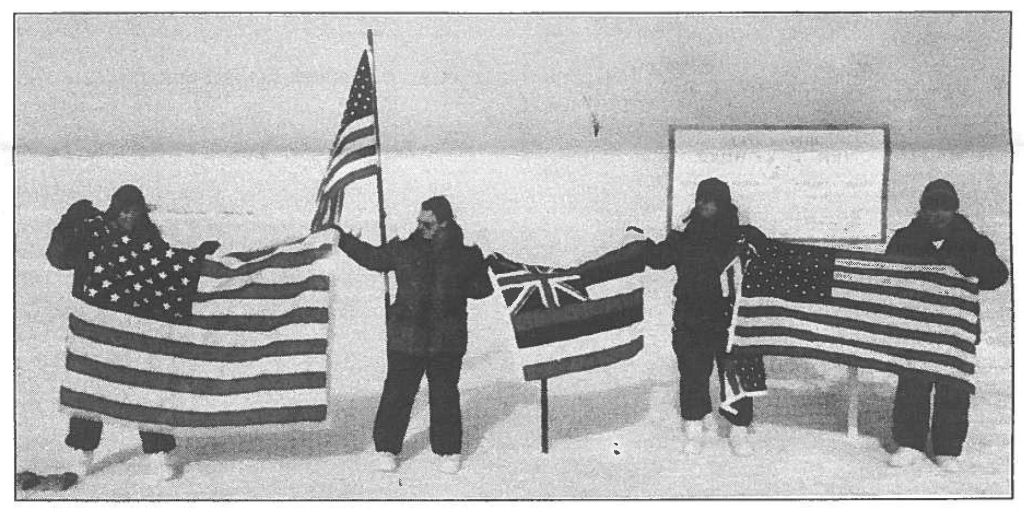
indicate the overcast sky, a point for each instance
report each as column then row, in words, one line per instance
column 88, row 84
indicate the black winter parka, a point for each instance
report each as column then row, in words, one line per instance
column 970, row 252
column 435, row 277
column 700, row 259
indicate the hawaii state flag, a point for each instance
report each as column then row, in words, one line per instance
column 574, row 319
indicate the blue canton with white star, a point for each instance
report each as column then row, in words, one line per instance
column 143, row 277
column 798, row 273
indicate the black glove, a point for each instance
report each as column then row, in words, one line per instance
column 208, row 247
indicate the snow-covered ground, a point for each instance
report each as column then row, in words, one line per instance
column 615, row 432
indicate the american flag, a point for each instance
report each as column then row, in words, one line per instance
column 574, row 319
column 242, row 348
column 743, row 374
column 354, row 153
column 858, row 308
column 129, row 274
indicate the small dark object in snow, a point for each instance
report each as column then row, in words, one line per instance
column 26, row 480
column 593, row 116
column 31, row 481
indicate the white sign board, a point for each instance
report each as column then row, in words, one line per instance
column 805, row 183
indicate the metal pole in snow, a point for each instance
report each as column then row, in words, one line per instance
column 380, row 169
column 544, row 416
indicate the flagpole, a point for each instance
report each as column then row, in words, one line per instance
column 853, row 405
column 544, row 415
column 380, row 169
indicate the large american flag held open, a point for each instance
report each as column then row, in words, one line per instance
column 858, row 308
column 244, row 349
column 574, row 319
column 354, row 152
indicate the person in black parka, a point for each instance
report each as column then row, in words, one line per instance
column 939, row 233
column 702, row 316
column 426, row 327
column 84, row 227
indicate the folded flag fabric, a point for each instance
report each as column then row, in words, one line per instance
column 858, row 308
column 245, row 350
column 574, row 319
column 743, row 374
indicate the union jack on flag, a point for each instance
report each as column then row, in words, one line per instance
column 523, row 286
column 560, row 326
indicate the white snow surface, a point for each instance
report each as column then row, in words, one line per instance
column 615, row 432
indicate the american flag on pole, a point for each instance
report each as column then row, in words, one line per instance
column 354, row 152
column 574, row 319
column 858, row 308
column 244, row 350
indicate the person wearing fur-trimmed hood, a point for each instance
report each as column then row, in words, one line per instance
column 710, row 241
column 85, row 235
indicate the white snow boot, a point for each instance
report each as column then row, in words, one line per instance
column 739, row 441
column 82, row 463
column 948, row 464
column 384, row 462
column 905, row 457
column 694, row 434
column 161, row 467
column 449, row 463
column 710, row 423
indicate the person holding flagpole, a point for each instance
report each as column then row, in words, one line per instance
column 435, row 272
column 426, row 328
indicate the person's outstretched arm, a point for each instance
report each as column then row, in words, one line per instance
column 662, row 255
column 378, row 259
column 478, row 284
